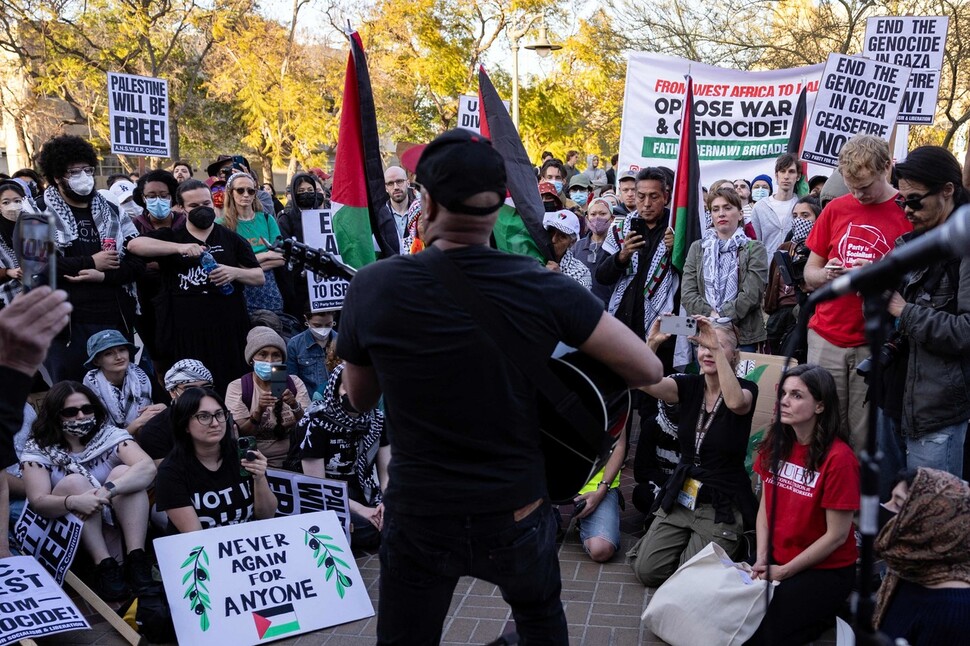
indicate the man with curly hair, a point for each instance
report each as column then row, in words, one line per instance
column 93, row 267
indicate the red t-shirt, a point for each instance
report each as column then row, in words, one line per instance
column 801, row 505
column 851, row 231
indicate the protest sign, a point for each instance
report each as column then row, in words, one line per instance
column 32, row 604
column 857, row 96
column 742, row 119
column 326, row 293
column 916, row 42
column 468, row 113
column 302, row 494
column 260, row 581
column 138, row 115
column 53, row 542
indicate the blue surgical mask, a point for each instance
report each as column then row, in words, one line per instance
column 759, row 194
column 579, row 197
column 159, row 207
column 263, row 369
column 558, row 184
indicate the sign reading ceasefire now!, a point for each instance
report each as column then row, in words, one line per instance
column 138, row 115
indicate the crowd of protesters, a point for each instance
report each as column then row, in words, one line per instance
column 180, row 311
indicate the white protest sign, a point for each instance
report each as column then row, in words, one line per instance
column 326, row 293
column 742, row 119
column 138, row 115
column 917, row 43
column 297, row 493
column 261, row 581
column 857, row 95
column 53, row 542
column 32, row 604
column 468, row 112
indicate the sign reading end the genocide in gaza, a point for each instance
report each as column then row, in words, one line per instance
column 857, row 96
column 915, row 42
column 138, row 115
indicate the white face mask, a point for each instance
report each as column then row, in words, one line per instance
column 12, row 210
column 759, row 194
column 83, row 184
column 321, row 333
column 132, row 209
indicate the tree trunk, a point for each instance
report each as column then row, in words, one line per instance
column 291, row 169
column 173, row 134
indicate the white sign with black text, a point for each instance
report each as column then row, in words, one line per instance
column 468, row 112
column 297, row 493
column 326, row 293
column 53, row 542
column 32, row 604
column 138, row 115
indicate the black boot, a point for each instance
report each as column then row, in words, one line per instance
column 140, row 576
column 111, row 581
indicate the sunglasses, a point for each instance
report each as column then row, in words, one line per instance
column 72, row 411
column 914, row 203
column 244, row 191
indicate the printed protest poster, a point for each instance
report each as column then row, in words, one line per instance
column 742, row 119
column 326, row 293
column 297, row 493
column 916, row 42
column 53, row 542
column 261, row 581
column 468, row 112
column 138, row 115
column 857, row 95
column 32, row 604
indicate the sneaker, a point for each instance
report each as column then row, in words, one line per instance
column 111, row 581
column 140, row 575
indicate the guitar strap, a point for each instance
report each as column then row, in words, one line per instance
column 566, row 402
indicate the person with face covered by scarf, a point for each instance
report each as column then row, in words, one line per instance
column 925, row 596
column 76, row 462
column 343, row 443
column 306, row 193
column 92, row 266
column 194, row 318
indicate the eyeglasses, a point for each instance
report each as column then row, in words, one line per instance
column 77, row 172
column 72, row 411
column 914, row 203
column 205, row 418
column 244, row 191
column 396, row 182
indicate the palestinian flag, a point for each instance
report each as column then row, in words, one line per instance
column 358, row 177
column 796, row 140
column 687, row 205
column 519, row 227
column 273, row 623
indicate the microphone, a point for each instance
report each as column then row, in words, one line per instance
column 946, row 241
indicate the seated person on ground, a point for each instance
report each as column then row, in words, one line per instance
column 156, row 437
column 599, row 519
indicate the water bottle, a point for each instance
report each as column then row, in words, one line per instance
column 208, row 264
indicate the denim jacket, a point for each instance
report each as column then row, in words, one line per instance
column 308, row 361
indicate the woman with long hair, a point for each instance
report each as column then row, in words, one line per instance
column 811, row 491
column 204, row 482
column 75, row 462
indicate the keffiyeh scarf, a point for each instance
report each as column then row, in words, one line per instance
column 94, row 452
column 570, row 266
column 122, row 403
column 412, row 244
column 721, row 266
column 11, row 286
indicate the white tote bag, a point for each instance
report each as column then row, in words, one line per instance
column 709, row 600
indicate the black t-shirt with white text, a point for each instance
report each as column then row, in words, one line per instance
column 221, row 497
column 184, row 275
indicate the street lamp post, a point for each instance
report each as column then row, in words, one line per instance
column 542, row 47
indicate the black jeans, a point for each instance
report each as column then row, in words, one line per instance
column 422, row 558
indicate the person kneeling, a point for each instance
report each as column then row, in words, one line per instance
column 599, row 517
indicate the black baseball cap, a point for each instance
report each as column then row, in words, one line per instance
column 459, row 164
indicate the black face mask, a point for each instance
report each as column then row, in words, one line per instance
column 308, row 200
column 345, row 403
column 202, row 217
column 550, row 207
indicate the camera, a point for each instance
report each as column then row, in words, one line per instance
column 887, row 353
column 791, row 266
column 245, row 445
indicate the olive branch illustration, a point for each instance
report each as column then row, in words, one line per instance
column 197, row 592
column 323, row 552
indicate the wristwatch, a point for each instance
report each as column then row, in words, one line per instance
column 110, row 488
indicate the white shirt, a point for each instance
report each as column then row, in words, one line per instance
column 771, row 220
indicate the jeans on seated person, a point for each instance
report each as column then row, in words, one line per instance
column 422, row 558
column 942, row 449
column 604, row 522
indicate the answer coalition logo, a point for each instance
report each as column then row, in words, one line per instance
column 272, row 623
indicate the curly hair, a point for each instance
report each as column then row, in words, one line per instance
column 828, row 424
column 864, row 154
column 46, row 429
column 157, row 175
column 60, row 152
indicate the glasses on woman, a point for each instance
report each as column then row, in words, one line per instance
column 72, row 411
column 205, row 418
column 242, row 190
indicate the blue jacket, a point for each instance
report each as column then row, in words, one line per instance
column 308, row 361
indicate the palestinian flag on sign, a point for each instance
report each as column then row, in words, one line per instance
column 519, row 227
column 796, row 140
column 358, row 177
column 687, row 205
column 273, row 623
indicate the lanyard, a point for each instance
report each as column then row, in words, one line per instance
column 704, row 421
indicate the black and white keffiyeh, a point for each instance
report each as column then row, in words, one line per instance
column 109, row 223
column 94, row 452
column 570, row 266
column 720, row 263
column 10, row 287
column 122, row 402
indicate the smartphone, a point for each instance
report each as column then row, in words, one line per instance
column 244, row 445
column 277, row 379
column 638, row 226
column 36, row 249
column 678, row 325
column 580, row 506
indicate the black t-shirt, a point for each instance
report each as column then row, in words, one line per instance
column 184, row 276
column 155, row 437
column 461, row 419
column 222, row 497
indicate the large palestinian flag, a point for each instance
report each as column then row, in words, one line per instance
column 358, row 177
column 687, row 205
